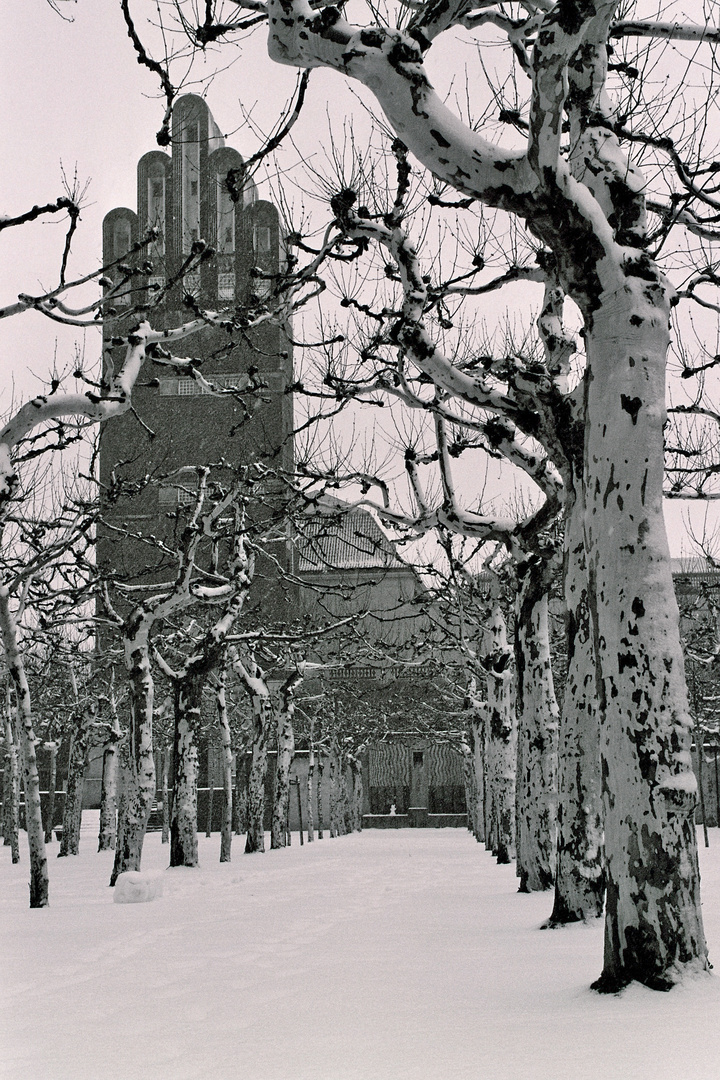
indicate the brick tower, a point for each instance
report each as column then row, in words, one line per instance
column 185, row 196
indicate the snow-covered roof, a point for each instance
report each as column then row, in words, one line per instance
column 693, row 566
column 335, row 538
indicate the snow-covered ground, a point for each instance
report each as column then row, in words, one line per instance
column 399, row 955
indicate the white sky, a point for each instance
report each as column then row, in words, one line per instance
column 74, row 94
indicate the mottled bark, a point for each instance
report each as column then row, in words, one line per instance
column 188, row 717
column 227, row 762
column 502, row 745
column 11, row 786
column 334, row 783
column 285, row 754
column 356, row 794
column 255, row 840
column 80, row 742
column 309, row 790
column 52, row 748
column 537, row 719
column 319, row 796
column 211, row 789
column 241, row 792
column 580, row 877
column 108, row 791
column 653, row 922
column 165, row 768
column 138, row 759
column 470, row 785
column 39, row 881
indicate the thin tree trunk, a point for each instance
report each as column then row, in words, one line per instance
column 345, row 799
column 501, row 743
column 183, row 825
column 319, row 795
column 165, row 766
column 227, row 760
column 39, row 881
column 580, row 875
column 653, row 920
column 356, row 795
column 108, row 793
column 538, row 717
column 255, row 840
column 310, row 776
column 334, row 781
column 241, row 792
column 80, row 740
column 285, row 754
column 211, row 789
column 469, row 782
column 11, row 786
column 52, row 747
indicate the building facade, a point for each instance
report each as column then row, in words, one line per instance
column 185, row 197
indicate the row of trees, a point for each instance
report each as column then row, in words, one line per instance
column 578, row 180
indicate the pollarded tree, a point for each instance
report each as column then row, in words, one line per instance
column 577, row 184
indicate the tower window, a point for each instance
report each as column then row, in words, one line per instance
column 261, row 239
column 225, row 224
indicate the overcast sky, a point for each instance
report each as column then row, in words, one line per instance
column 74, row 96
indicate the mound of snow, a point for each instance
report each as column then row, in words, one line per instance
column 136, row 886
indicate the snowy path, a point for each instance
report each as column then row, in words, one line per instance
column 403, row 955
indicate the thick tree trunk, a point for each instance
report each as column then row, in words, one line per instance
column 39, row 881
column 52, row 748
column 183, row 825
column 80, row 740
column 285, row 753
column 538, row 716
column 138, row 759
column 255, row 840
column 501, row 751
column 11, row 787
column 580, row 875
column 653, row 922
column 227, row 761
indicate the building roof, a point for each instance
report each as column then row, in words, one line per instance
column 694, row 566
column 339, row 538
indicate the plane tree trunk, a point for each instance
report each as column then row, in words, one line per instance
column 39, row 880
column 653, row 922
column 11, row 787
column 138, row 759
column 285, row 753
column 502, row 744
column 108, row 790
column 80, row 744
column 226, row 829
column 580, row 876
column 52, row 748
column 356, row 793
column 255, row 839
column 188, row 693
column 537, row 718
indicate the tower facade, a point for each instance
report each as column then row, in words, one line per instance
column 174, row 426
